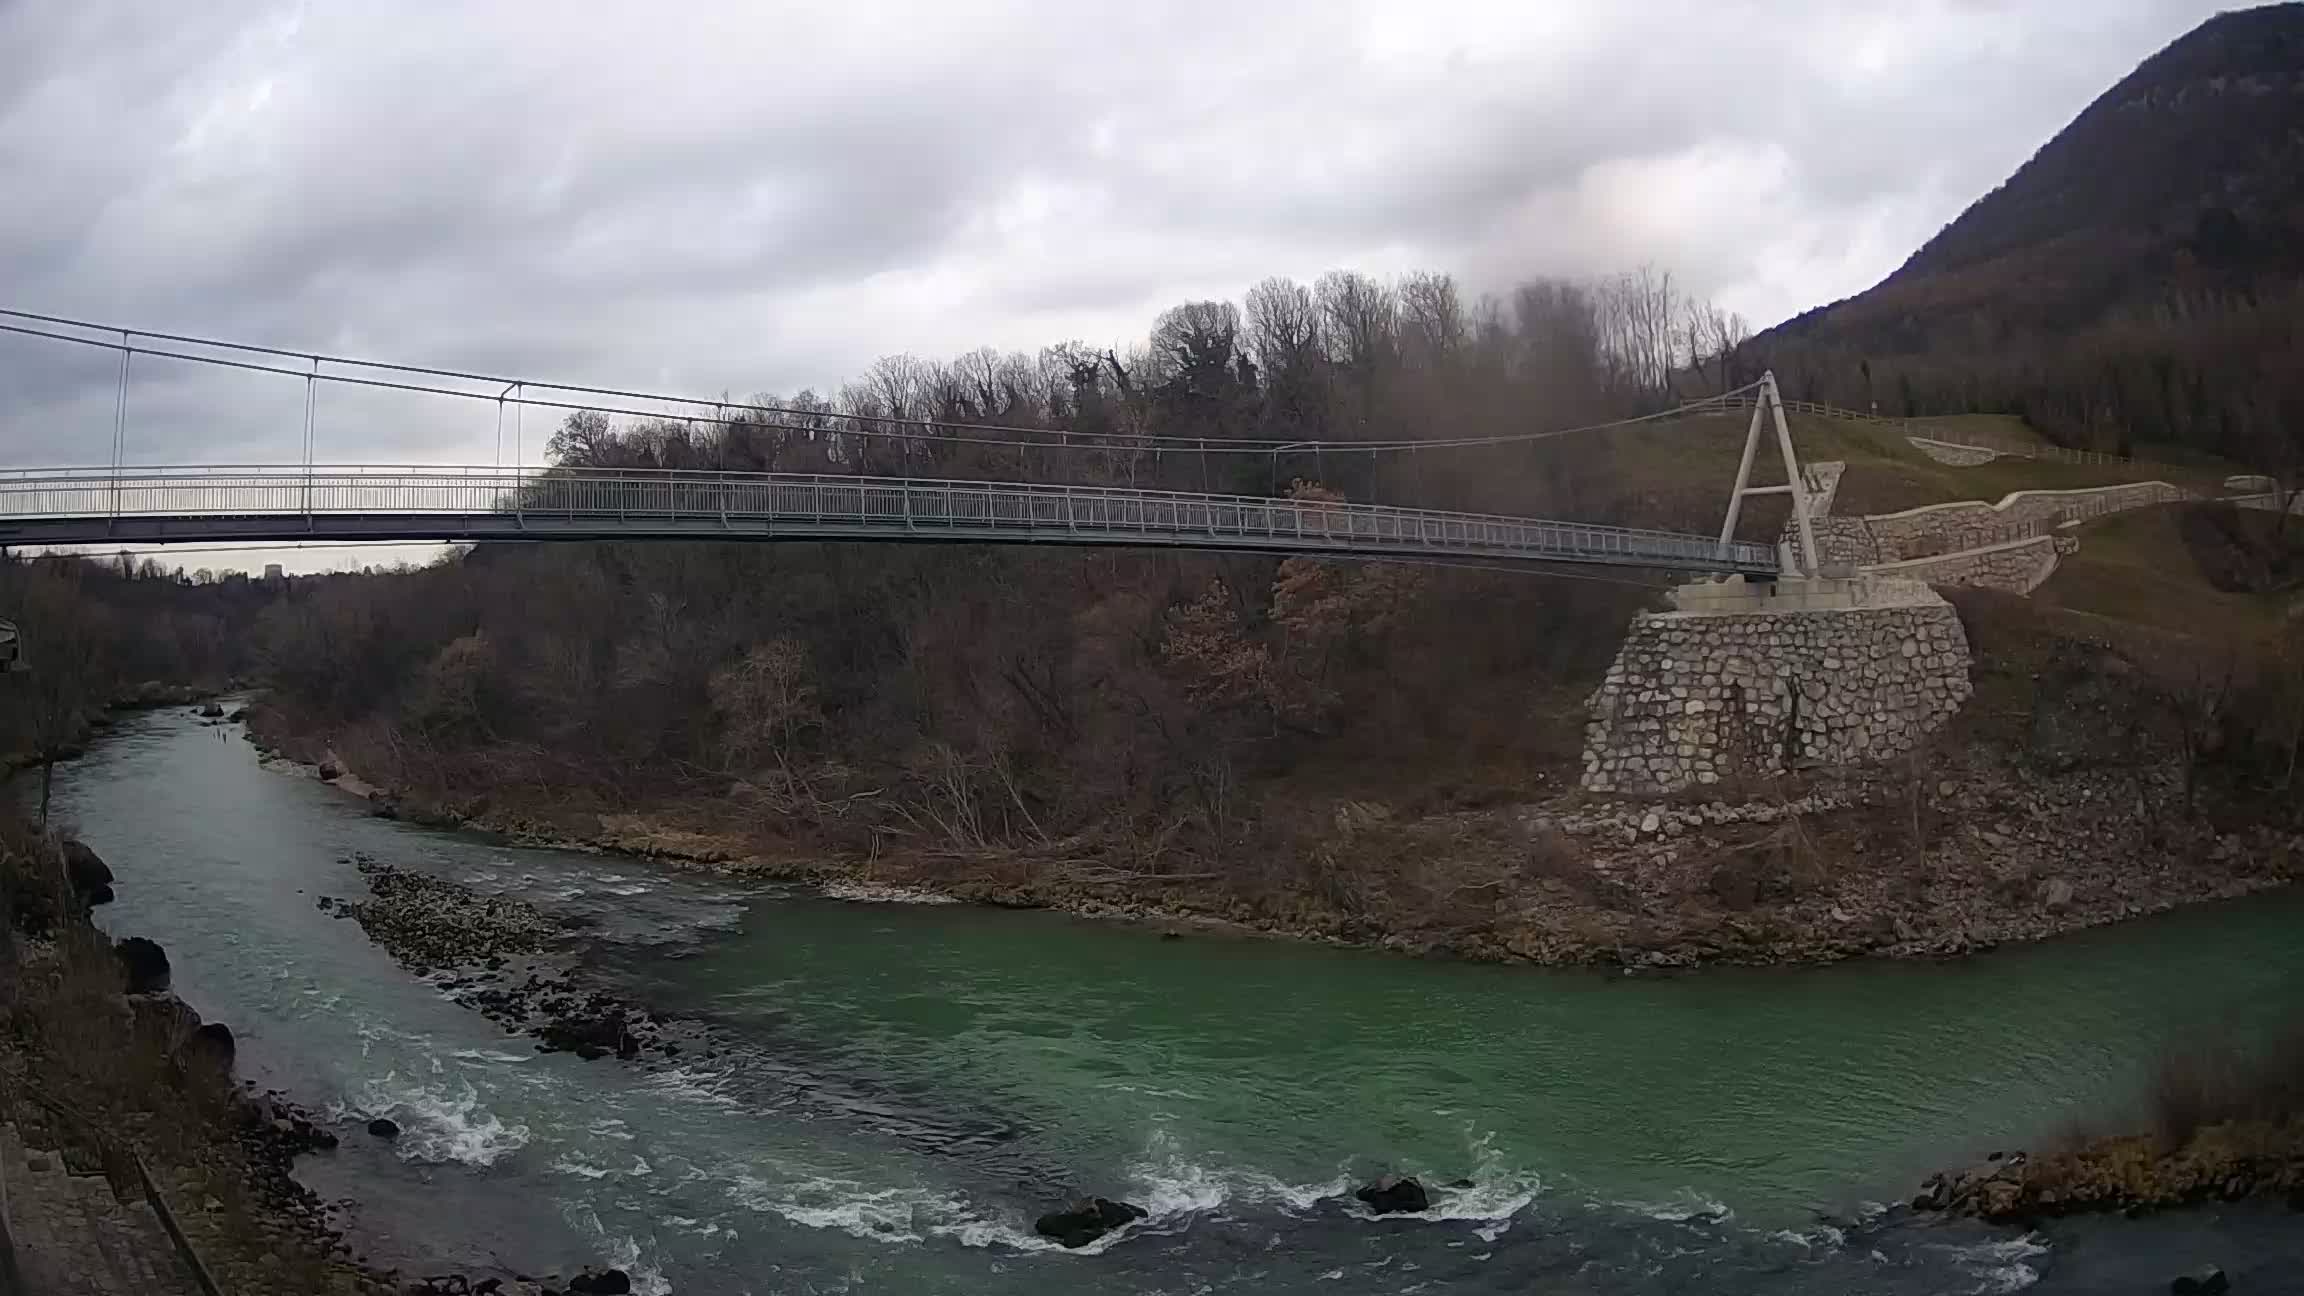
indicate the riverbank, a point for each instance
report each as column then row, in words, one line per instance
column 102, row 1063
column 1983, row 848
column 2128, row 1174
column 905, row 1088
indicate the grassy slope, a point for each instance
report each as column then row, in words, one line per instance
column 1677, row 474
column 1994, row 429
column 2133, row 568
column 2138, row 568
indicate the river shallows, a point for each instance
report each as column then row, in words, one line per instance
column 904, row 1086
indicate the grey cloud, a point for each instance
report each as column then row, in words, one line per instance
column 746, row 197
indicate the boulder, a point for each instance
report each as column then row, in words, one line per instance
column 1086, row 1221
column 86, row 871
column 2205, row 1282
column 384, row 1129
column 238, row 716
column 600, row 1282
column 1392, row 1195
column 330, row 771
column 145, row 963
column 2055, row 894
column 211, row 711
column 586, row 1036
column 162, row 1017
column 212, row 1043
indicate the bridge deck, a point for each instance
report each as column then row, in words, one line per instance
column 148, row 505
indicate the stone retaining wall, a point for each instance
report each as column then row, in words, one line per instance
column 1941, row 528
column 2017, row 567
column 1845, row 540
column 1693, row 698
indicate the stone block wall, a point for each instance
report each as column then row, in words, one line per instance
column 1697, row 697
column 1843, row 540
column 1838, row 540
column 2018, row 567
column 1941, row 528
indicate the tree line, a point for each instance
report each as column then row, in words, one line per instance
column 1150, row 712
column 1345, row 361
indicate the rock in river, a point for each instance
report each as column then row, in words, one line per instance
column 1395, row 1196
column 600, row 1282
column 2207, row 1282
column 384, row 1129
column 1086, row 1221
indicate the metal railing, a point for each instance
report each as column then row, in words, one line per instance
column 114, row 1150
column 103, row 505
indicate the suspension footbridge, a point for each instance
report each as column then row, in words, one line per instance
column 122, row 503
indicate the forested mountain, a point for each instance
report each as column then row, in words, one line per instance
column 2140, row 281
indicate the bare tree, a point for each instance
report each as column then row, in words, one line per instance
column 1713, row 340
column 765, row 701
column 1433, row 326
column 1360, row 327
column 1639, row 330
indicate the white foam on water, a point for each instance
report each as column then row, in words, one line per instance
column 1685, row 1205
column 492, row 1056
column 623, row 1251
column 439, row 1121
column 647, row 1279
column 1174, row 1185
column 583, row 1169
column 1496, row 1195
column 882, row 1214
column 2000, row 1267
column 704, row 1087
column 1816, row 1237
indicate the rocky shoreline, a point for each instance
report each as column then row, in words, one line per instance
column 505, row 959
column 254, row 1138
column 1815, row 873
column 2127, row 1174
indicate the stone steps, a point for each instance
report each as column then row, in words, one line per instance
column 75, row 1238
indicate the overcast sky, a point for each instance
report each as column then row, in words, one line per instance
column 764, row 196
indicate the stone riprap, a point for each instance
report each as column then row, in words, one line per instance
column 1694, row 698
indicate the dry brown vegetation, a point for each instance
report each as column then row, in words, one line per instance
column 1106, row 713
